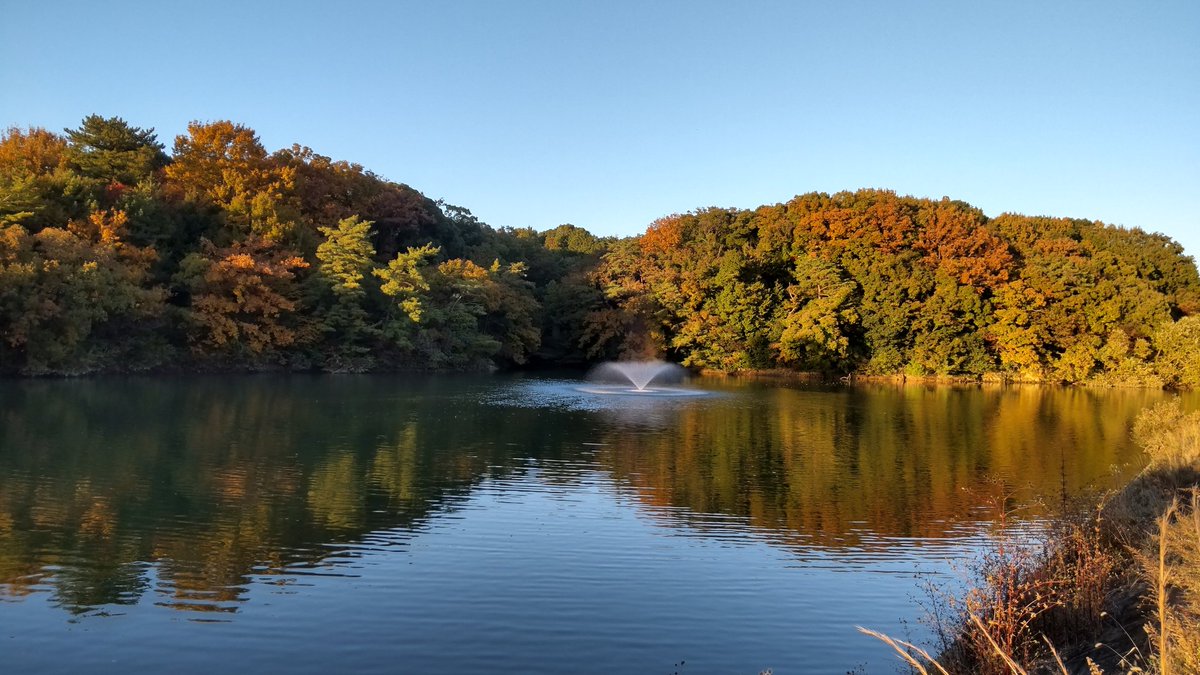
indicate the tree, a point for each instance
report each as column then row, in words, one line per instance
column 449, row 335
column 75, row 301
column 818, row 318
column 573, row 239
column 225, row 165
column 111, row 150
column 404, row 283
column 346, row 256
column 1018, row 338
column 512, row 313
column 1178, row 345
column 948, row 332
column 327, row 191
column 955, row 242
column 567, row 304
column 629, row 321
column 345, row 261
column 244, row 305
column 37, row 188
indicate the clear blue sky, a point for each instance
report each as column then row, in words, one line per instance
column 611, row 114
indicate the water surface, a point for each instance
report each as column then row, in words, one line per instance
column 483, row 524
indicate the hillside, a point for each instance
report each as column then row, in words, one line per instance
column 117, row 256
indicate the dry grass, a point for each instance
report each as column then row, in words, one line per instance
column 1173, row 570
column 1168, row 436
column 1169, row 552
column 1028, row 598
column 1078, row 585
column 908, row 652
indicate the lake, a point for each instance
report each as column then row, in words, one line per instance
column 511, row 523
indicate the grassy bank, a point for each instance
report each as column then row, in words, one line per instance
column 1113, row 587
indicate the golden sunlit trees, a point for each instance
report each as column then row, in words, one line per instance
column 1178, row 346
column 406, row 287
column 872, row 282
column 225, row 165
column 818, row 318
column 76, row 300
column 244, row 301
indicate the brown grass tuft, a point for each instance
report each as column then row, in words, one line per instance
column 1173, row 570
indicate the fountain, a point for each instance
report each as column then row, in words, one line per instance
column 637, row 377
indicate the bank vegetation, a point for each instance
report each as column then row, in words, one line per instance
column 117, row 255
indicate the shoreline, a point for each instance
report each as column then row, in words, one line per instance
column 985, row 380
column 769, row 375
column 1114, row 586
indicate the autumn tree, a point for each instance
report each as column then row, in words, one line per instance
column 115, row 254
column 628, row 323
column 512, row 313
column 37, row 187
column 244, row 304
column 224, row 165
column 75, row 300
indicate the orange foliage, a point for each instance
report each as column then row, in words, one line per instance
column 955, row 241
column 663, row 235
column 245, row 298
column 33, row 151
column 106, row 227
column 225, row 164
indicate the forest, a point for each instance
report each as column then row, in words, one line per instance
column 117, row 256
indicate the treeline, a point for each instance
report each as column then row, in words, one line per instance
column 117, row 256
column 869, row 282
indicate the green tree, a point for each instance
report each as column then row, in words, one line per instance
column 567, row 304
column 111, row 150
column 948, row 333
column 572, row 239
column 345, row 261
column 819, row 317
column 449, row 335
column 404, row 284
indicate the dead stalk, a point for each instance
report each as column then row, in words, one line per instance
column 901, row 648
column 1016, row 668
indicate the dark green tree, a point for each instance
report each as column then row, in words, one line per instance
column 111, row 150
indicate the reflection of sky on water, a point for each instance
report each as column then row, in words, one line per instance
column 383, row 524
column 526, row 574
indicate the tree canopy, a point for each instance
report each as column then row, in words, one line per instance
column 116, row 255
column 874, row 283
